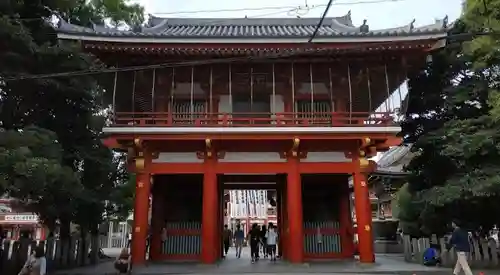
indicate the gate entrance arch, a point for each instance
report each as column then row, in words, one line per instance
column 313, row 214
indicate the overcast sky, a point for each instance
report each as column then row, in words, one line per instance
column 381, row 14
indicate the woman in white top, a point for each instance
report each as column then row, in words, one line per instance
column 36, row 263
column 271, row 238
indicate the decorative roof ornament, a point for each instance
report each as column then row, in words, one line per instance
column 445, row 22
column 150, row 22
column 412, row 25
column 364, row 28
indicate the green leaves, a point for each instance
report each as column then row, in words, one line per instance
column 115, row 12
column 57, row 168
column 30, row 165
column 457, row 173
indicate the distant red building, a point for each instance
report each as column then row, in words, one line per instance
column 14, row 222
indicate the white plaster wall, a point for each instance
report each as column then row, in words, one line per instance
column 279, row 104
column 177, row 157
column 224, row 104
column 190, row 157
column 326, row 157
column 252, row 157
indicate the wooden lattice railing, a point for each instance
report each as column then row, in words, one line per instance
column 333, row 119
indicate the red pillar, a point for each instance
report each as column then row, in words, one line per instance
column 210, row 214
column 141, row 213
column 295, row 243
column 363, row 218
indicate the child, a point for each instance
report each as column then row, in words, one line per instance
column 122, row 263
column 431, row 256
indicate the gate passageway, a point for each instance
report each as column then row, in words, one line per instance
column 244, row 262
column 320, row 214
column 312, row 215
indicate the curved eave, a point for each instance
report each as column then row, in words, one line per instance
column 389, row 174
column 362, row 38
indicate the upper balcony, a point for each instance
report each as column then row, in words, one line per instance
column 283, row 119
column 265, row 94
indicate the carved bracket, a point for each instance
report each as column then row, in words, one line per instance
column 366, row 142
column 217, row 155
column 299, row 154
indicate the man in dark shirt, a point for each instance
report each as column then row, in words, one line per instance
column 263, row 239
column 254, row 239
column 239, row 238
column 460, row 241
column 227, row 236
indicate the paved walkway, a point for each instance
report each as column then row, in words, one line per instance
column 386, row 264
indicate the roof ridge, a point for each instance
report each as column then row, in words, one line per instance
column 221, row 28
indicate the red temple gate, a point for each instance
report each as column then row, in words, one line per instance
column 194, row 102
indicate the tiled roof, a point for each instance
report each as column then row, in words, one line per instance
column 395, row 159
column 252, row 28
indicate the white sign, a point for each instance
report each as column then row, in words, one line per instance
column 21, row 218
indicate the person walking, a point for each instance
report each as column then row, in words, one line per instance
column 129, row 240
column 263, row 238
column 122, row 262
column 227, row 236
column 239, row 238
column 271, row 241
column 254, row 239
column 460, row 241
column 36, row 263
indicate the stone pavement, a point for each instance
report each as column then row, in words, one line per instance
column 386, row 264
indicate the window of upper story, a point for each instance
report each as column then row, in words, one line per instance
column 309, row 90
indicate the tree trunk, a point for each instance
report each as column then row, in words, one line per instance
column 65, row 240
column 95, row 245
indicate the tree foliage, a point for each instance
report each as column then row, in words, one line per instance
column 456, row 130
column 114, row 12
column 52, row 159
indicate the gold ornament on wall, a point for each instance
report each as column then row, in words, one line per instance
column 364, row 162
column 139, row 163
